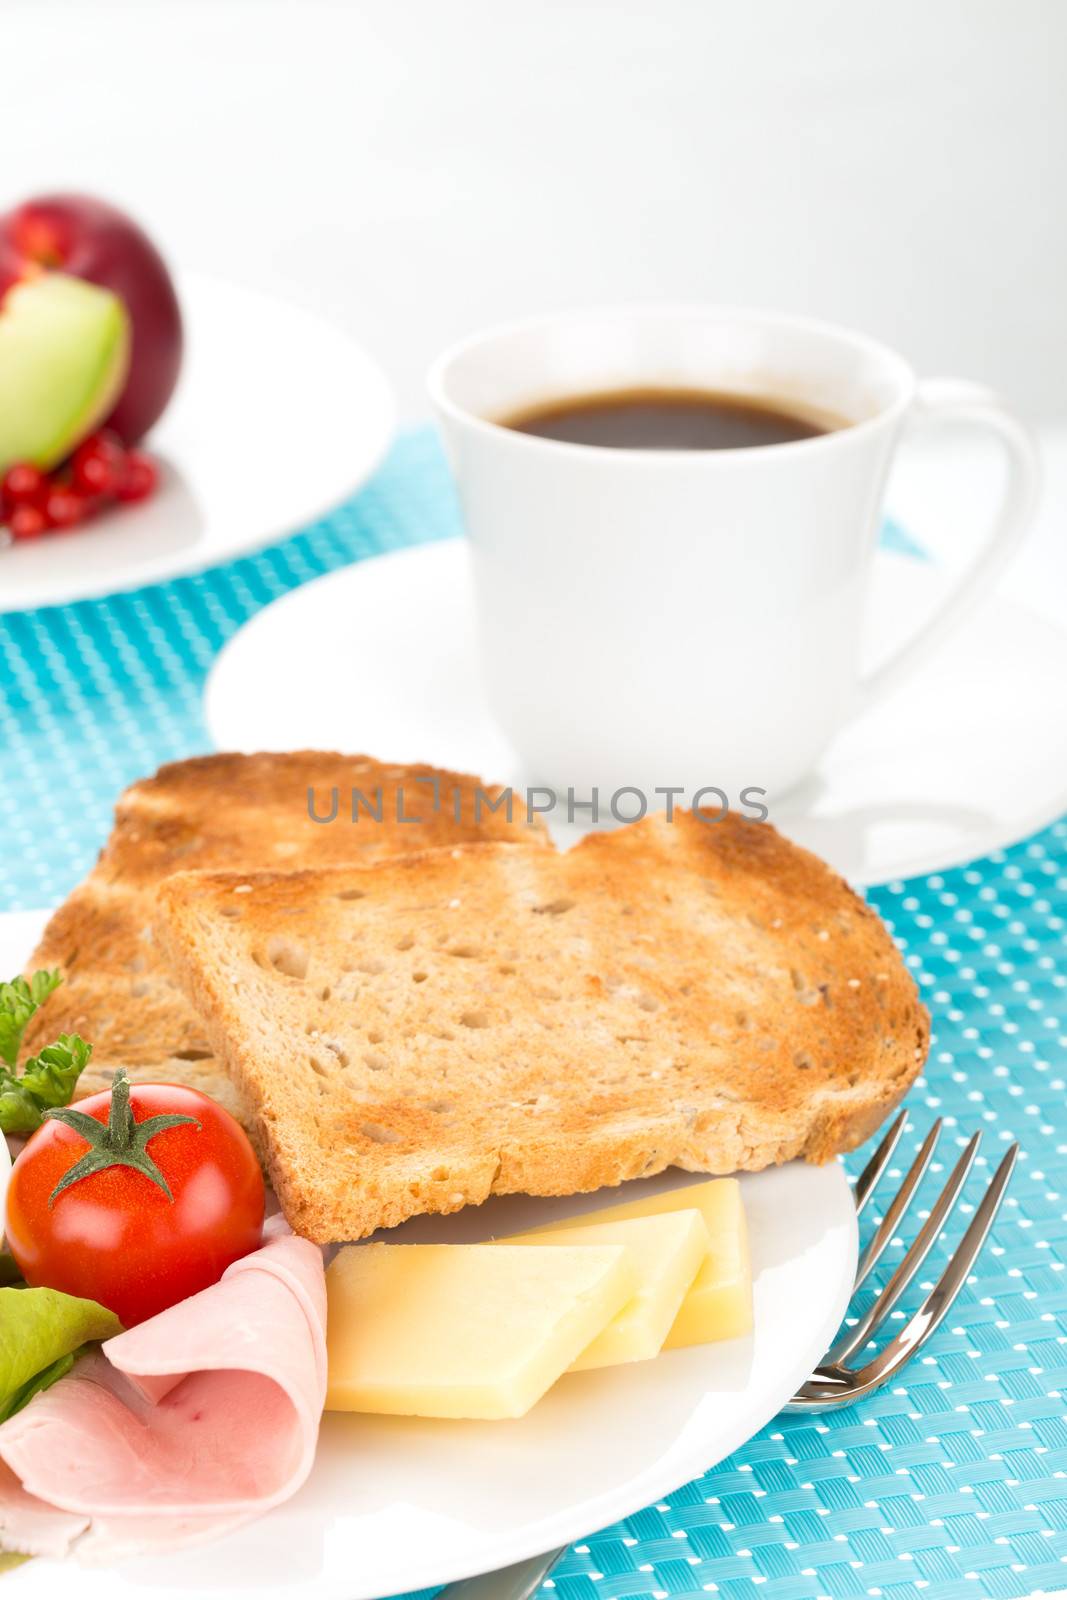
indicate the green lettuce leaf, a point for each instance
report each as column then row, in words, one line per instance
column 46, row 1080
column 40, row 1381
column 19, row 1000
column 50, row 1077
column 41, row 1331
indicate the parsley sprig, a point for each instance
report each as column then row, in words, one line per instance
column 48, row 1078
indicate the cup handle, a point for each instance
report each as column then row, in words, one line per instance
column 952, row 400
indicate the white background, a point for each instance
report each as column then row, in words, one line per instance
column 416, row 168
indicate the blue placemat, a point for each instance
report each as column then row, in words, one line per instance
column 952, row 1483
column 96, row 694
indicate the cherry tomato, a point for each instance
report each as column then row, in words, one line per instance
column 139, row 477
column 63, row 508
column 22, row 485
column 135, row 1242
column 98, row 464
column 27, row 522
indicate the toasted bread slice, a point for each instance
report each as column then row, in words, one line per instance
column 226, row 811
column 419, row 1035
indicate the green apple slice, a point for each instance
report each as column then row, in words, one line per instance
column 64, row 355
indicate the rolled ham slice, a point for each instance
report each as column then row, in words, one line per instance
column 31, row 1526
column 187, row 1425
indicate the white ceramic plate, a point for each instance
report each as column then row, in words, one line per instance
column 395, row 1504
column 381, row 657
column 278, row 418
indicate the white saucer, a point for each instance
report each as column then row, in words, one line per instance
column 395, row 1503
column 380, row 657
column 279, row 417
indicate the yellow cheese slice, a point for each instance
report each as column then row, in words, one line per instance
column 462, row 1330
column 667, row 1252
column 719, row 1303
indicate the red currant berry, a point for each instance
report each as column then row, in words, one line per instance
column 99, row 463
column 23, row 485
column 27, row 522
column 140, row 478
column 64, row 509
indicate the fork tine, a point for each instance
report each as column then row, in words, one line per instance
column 867, row 1179
column 855, row 1338
column 898, row 1206
column 934, row 1308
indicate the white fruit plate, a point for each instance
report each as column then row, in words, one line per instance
column 278, row 417
column 395, row 1504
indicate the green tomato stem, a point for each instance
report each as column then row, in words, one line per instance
column 120, row 1142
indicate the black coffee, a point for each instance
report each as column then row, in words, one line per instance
column 668, row 419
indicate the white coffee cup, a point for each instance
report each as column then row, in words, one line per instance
column 688, row 618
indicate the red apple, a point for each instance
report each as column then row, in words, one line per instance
column 14, row 268
column 90, row 239
column 64, row 357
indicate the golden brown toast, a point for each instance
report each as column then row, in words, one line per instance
column 420, row 1034
column 225, row 811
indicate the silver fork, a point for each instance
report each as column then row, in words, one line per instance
column 834, row 1384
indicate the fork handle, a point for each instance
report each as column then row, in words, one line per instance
column 506, row 1583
